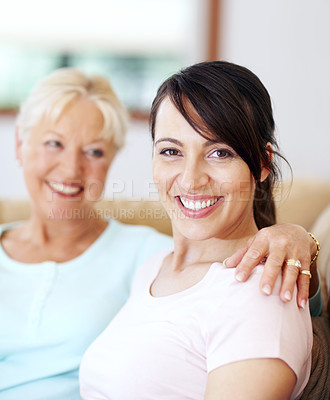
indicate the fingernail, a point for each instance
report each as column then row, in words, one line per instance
column 303, row 304
column 224, row 262
column 287, row 295
column 266, row 289
column 240, row 276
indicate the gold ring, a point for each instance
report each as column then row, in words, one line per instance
column 295, row 263
column 306, row 272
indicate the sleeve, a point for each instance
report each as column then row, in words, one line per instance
column 248, row 325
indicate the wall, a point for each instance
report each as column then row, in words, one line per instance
column 287, row 44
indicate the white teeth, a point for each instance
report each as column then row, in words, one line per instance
column 198, row 205
column 65, row 189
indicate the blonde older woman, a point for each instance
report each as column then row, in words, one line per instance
column 66, row 272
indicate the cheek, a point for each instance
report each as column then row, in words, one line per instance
column 95, row 181
column 237, row 185
column 162, row 179
column 96, row 173
column 36, row 162
column 156, row 174
column 154, row 169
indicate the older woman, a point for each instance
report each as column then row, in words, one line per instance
column 188, row 331
column 66, row 272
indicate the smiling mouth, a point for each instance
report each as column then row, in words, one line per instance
column 65, row 189
column 196, row 205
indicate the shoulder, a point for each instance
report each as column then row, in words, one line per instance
column 12, row 236
column 9, row 226
column 245, row 324
column 244, row 301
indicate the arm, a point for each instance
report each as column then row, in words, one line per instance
column 255, row 379
column 279, row 243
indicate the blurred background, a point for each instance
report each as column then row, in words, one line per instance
column 139, row 43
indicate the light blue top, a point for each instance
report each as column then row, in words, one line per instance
column 50, row 312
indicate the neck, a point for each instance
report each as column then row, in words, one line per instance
column 65, row 230
column 215, row 249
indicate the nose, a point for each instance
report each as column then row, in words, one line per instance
column 194, row 176
column 71, row 163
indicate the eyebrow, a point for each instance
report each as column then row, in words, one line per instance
column 168, row 139
column 96, row 141
column 54, row 132
column 178, row 143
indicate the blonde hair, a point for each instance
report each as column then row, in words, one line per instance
column 52, row 94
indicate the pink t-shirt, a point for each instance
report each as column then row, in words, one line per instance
column 164, row 347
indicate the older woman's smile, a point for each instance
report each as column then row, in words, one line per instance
column 65, row 188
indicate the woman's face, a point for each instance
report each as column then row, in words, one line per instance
column 65, row 163
column 206, row 188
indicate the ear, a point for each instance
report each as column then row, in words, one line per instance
column 18, row 147
column 264, row 168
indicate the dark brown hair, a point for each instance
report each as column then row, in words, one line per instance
column 233, row 107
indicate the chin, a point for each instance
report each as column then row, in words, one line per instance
column 194, row 232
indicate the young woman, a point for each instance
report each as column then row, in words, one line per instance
column 188, row 330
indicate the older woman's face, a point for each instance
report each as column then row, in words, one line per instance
column 65, row 163
column 206, row 188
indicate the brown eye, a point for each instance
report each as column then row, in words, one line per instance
column 220, row 154
column 170, row 152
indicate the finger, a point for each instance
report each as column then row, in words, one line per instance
column 303, row 290
column 235, row 259
column 253, row 256
column 289, row 279
column 303, row 283
column 272, row 269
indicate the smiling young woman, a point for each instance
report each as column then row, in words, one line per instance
column 201, row 179
column 189, row 330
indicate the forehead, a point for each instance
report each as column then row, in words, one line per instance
column 79, row 119
column 169, row 119
column 170, row 122
column 81, row 114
